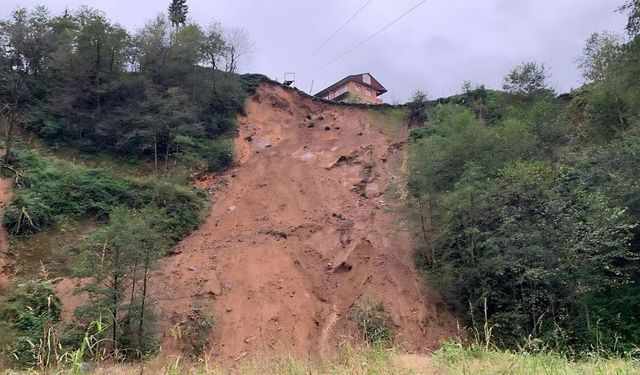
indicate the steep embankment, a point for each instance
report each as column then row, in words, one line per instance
column 300, row 230
column 5, row 197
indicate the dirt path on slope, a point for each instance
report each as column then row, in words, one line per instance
column 300, row 230
column 5, row 196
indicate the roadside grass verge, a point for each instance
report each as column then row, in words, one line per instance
column 452, row 358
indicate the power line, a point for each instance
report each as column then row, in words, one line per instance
column 341, row 27
column 374, row 34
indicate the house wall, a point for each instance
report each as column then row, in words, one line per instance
column 367, row 95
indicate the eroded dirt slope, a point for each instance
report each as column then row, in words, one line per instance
column 300, row 230
column 5, row 272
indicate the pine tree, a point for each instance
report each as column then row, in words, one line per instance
column 178, row 10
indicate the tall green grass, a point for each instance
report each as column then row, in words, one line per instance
column 452, row 359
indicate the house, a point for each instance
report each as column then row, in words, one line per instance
column 364, row 87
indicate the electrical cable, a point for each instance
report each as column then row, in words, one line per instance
column 375, row 34
column 341, row 27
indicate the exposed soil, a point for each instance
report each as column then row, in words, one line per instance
column 5, row 271
column 300, row 229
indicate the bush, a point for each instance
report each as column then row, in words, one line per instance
column 534, row 243
column 192, row 334
column 374, row 323
column 49, row 190
column 30, row 309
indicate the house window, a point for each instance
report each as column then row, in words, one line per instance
column 368, row 92
column 358, row 88
column 366, row 79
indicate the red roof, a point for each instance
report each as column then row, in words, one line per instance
column 358, row 78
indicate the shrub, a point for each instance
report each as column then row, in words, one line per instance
column 373, row 321
column 31, row 309
column 193, row 333
column 49, row 190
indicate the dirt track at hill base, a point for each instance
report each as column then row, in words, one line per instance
column 300, row 229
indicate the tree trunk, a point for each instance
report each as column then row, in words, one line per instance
column 12, row 118
column 112, row 59
column 98, row 63
column 144, row 297
column 115, row 289
column 133, row 281
column 166, row 158
column 155, row 151
column 213, row 71
column 7, row 153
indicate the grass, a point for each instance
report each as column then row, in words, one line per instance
column 373, row 322
column 451, row 359
column 455, row 359
column 389, row 120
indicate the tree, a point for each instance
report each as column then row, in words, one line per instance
column 153, row 45
column 213, row 48
column 632, row 8
column 239, row 45
column 417, row 107
column 533, row 247
column 600, row 53
column 185, row 52
column 178, row 10
column 118, row 261
column 527, row 80
column 26, row 44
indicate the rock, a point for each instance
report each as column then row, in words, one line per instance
column 343, row 267
column 192, row 268
column 232, row 208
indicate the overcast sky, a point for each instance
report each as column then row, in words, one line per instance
column 434, row 48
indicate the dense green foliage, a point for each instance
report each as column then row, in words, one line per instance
column 28, row 313
column 79, row 79
column 49, row 190
column 118, row 260
column 143, row 219
column 530, row 204
column 157, row 96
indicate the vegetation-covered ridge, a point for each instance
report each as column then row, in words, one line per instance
column 168, row 92
column 527, row 205
column 163, row 100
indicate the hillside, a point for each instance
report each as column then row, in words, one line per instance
column 301, row 230
column 163, row 213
